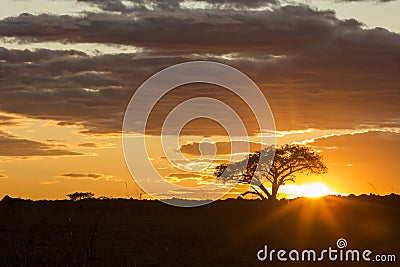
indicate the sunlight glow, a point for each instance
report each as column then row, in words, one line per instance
column 312, row 190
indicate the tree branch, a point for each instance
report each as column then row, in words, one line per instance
column 254, row 193
column 283, row 178
column 265, row 190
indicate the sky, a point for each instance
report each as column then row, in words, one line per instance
column 329, row 70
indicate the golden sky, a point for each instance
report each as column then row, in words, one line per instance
column 328, row 69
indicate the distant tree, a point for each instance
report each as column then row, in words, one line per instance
column 80, row 195
column 9, row 200
column 288, row 161
column 6, row 198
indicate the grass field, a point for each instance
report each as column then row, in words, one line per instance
column 121, row 232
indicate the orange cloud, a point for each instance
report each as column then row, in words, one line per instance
column 12, row 146
column 90, row 176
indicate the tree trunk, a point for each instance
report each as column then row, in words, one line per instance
column 274, row 192
column 273, row 195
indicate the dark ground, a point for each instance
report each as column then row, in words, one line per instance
column 224, row 233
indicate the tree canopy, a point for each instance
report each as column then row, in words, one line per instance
column 279, row 165
column 80, row 195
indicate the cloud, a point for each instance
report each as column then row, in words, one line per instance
column 279, row 30
column 13, row 146
column 23, row 56
column 207, row 148
column 377, row 1
column 7, row 121
column 48, row 182
column 97, row 145
column 171, row 5
column 373, row 157
column 89, row 145
column 90, row 176
column 56, row 140
column 317, row 71
column 319, row 99
column 309, row 137
column 2, row 176
column 81, row 175
column 188, row 179
column 183, row 175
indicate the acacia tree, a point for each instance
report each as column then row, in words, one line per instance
column 277, row 169
column 80, row 195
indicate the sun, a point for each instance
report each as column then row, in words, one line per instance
column 311, row 190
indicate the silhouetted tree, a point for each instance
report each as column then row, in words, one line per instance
column 80, row 195
column 288, row 161
column 7, row 200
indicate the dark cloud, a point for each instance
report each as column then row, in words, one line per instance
column 39, row 55
column 280, row 30
column 134, row 5
column 316, row 70
column 19, row 147
column 325, row 90
column 170, row 5
column 70, row 89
